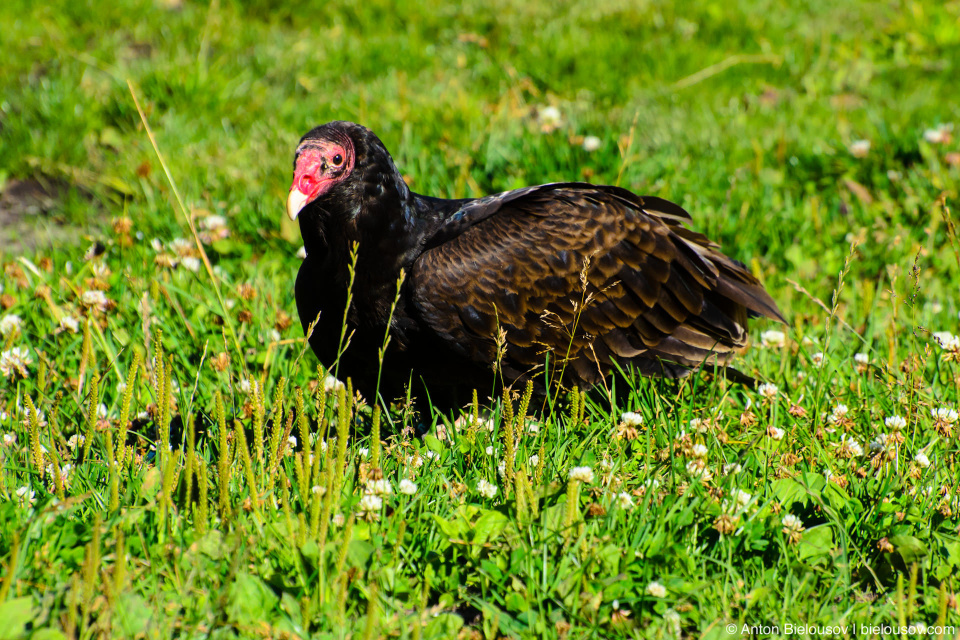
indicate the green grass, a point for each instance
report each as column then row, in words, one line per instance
column 746, row 113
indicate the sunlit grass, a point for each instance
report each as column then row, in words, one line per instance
column 174, row 463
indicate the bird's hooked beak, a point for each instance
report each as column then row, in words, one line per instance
column 296, row 201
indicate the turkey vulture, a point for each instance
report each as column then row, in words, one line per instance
column 568, row 279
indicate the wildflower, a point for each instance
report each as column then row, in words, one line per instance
column 407, row 487
column 656, row 590
column 631, row 419
column 859, row 148
column 698, row 469
column 69, row 323
column 591, row 143
column 533, row 460
column 775, row 432
column 768, row 390
column 302, row 253
column 879, row 443
column 76, row 440
column 292, row 441
column 792, row 527
column 502, row 469
column 182, row 247
column 369, row 505
column 25, row 496
column 582, row 474
column 895, row 422
column 849, row 447
column 490, row 450
column 732, row 468
column 861, row 358
column 486, row 489
column 625, row 501
column 817, row 359
column 10, row 324
column 9, row 439
column 922, row 459
column 332, row 385
column 363, row 452
column 379, row 487
column 549, row 118
column 95, row 299
column 944, row 414
column 741, row 498
column 431, row 455
column 947, row 341
column 190, row 264
column 15, row 362
column 338, row 520
column 317, row 490
column 699, row 425
column 698, row 451
column 938, row 135
column 773, row 338
column 247, row 386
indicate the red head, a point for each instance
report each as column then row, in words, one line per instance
column 321, row 163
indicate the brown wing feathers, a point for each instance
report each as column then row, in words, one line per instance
column 597, row 275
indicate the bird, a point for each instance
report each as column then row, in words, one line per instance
column 559, row 284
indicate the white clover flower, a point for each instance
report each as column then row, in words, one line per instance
column 698, row 451
column 631, row 419
column 895, row 422
column 549, row 118
column 775, row 432
column 317, row 490
column 841, row 410
column 656, row 590
column 944, row 414
column 533, row 460
column 947, row 340
column 768, row 390
column 879, row 443
column 773, row 338
column 652, row 483
column 582, row 474
column 486, row 489
column 10, row 324
column 182, row 246
column 190, row 264
column 156, row 245
column 698, row 469
column 859, row 148
column 379, row 487
column 732, row 468
column 502, row 469
column 938, row 135
column 363, row 452
column 625, row 501
column 490, row 450
column 246, row 386
column 76, row 440
column 606, row 464
column 332, row 385
column 741, row 498
column 25, row 496
column 792, row 523
column 851, row 445
column 15, row 362
column 69, row 323
column 431, row 455
column 922, row 459
column 817, row 359
column 407, row 487
column 338, row 520
column 302, row 253
column 9, row 439
column 861, row 358
column 369, row 503
column 213, row 222
column 94, row 298
column 591, row 143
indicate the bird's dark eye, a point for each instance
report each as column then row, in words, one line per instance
column 338, row 159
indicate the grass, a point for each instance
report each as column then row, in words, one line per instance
column 750, row 114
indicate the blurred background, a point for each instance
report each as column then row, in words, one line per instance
column 787, row 129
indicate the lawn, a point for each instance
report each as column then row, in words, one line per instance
column 173, row 463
